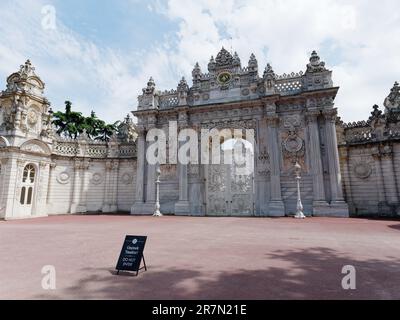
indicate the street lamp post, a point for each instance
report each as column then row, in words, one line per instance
column 157, row 212
column 299, row 208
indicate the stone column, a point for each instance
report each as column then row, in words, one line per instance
column 182, row 207
column 320, row 205
column 114, row 186
column 388, row 174
column 379, row 178
column 40, row 203
column 344, row 156
column 106, row 202
column 338, row 206
column 85, row 186
column 49, row 200
column 76, row 190
column 137, row 207
column 276, row 207
column 151, row 185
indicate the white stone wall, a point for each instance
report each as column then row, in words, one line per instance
column 371, row 177
column 95, row 186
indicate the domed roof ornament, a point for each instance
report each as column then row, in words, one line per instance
column 183, row 86
column 253, row 64
column 25, row 80
column 236, row 60
column 269, row 73
column 27, row 70
column 224, row 58
column 315, row 65
column 150, row 86
column 392, row 101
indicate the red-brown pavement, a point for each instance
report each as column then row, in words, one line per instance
column 201, row 258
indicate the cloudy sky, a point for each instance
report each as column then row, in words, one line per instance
column 100, row 53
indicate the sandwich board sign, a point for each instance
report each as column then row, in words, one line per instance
column 131, row 255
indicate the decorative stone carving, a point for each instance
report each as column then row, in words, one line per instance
column 168, row 171
column 127, row 178
column 293, row 143
column 32, row 117
column 127, row 131
column 362, row 170
column 393, row 99
column 293, row 149
column 97, row 178
column 63, row 177
column 315, row 65
column 31, row 147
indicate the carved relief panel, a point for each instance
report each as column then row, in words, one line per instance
column 293, row 141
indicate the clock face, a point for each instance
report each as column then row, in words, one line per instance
column 224, row 77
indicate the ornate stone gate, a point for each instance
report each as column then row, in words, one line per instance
column 228, row 193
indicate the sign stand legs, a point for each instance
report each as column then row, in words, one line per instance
column 144, row 266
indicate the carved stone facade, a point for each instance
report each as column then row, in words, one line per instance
column 370, row 160
column 42, row 173
column 345, row 167
column 293, row 117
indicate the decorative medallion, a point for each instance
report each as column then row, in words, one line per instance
column 97, row 178
column 362, row 170
column 206, row 96
column 293, row 143
column 224, row 77
column 63, row 177
column 32, row 117
column 245, row 92
column 127, row 178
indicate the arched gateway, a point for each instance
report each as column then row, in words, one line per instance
column 293, row 120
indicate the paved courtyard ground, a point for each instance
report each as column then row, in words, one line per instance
column 201, row 258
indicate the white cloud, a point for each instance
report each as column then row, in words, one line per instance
column 363, row 34
column 358, row 41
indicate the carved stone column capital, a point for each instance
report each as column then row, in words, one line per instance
column 386, row 151
column 78, row 164
column 330, row 115
column 312, row 115
column 344, row 153
column 43, row 164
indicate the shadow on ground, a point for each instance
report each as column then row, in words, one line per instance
column 314, row 273
column 395, row 226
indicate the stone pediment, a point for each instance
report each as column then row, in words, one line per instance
column 35, row 146
column 4, row 142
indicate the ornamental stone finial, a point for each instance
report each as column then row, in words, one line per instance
column 269, row 73
column 196, row 71
column 151, row 85
column 315, row 65
column 236, row 60
column 253, row 61
column 183, row 86
column 392, row 101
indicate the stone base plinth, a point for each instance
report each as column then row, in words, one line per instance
column 276, row 208
column 338, row 209
column 182, row 208
column 143, row 208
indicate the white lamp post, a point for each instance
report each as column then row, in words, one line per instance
column 157, row 212
column 299, row 208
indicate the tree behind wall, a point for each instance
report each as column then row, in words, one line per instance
column 71, row 124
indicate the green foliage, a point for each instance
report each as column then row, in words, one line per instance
column 71, row 124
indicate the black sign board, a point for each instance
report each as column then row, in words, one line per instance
column 132, row 254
